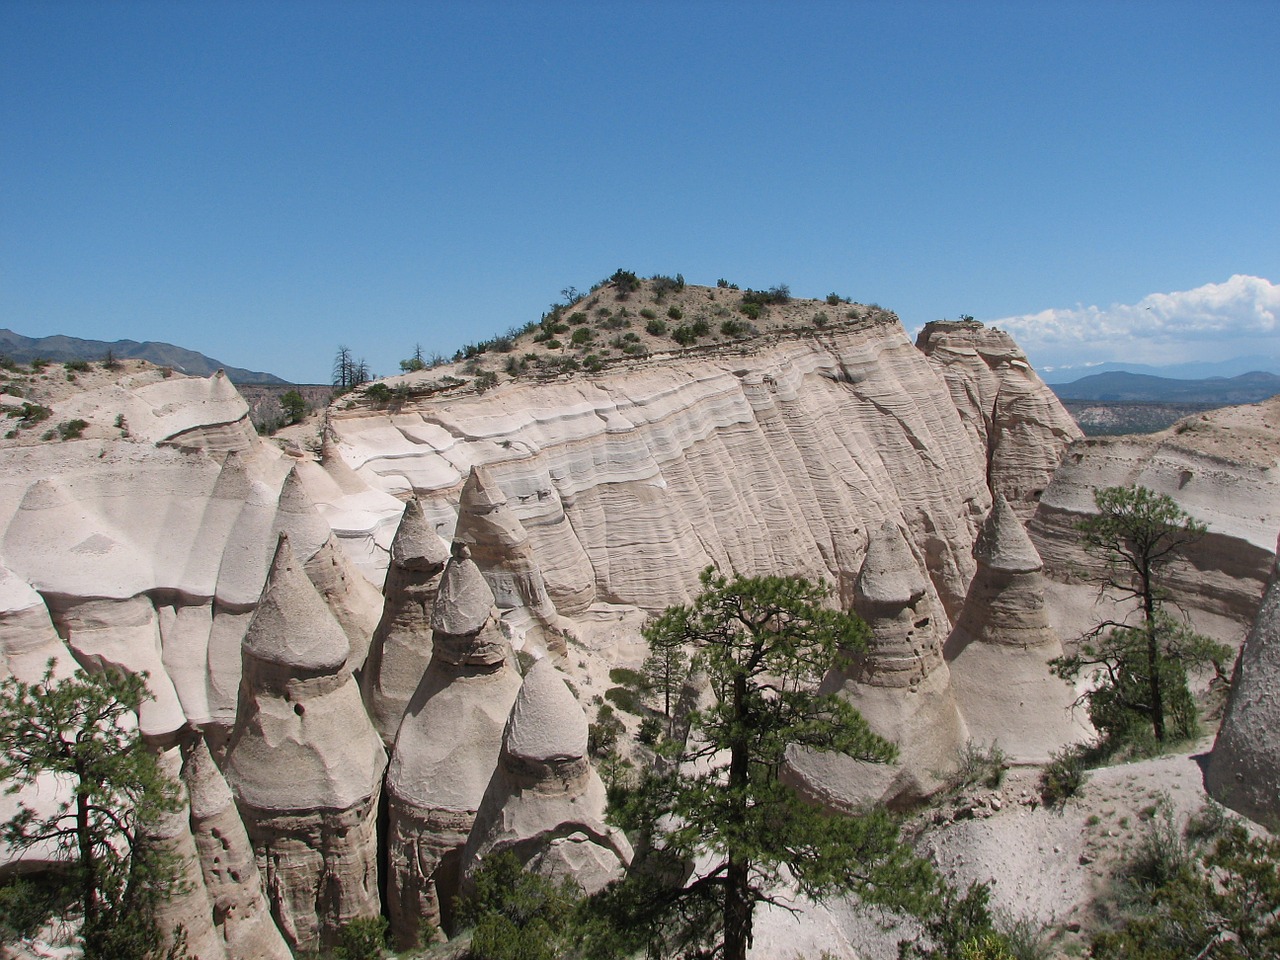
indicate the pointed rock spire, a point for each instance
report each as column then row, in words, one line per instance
column 545, row 803
column 401, row 647
column 293, row 628
column 230, row 872
column 900, row 685
column 305, row 763
column 1244, row 768
column 1001, row 645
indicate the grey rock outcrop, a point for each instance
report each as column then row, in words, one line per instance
column 401, row 647
column 1001, row 645
column 446, row 751
column 1244, row 768
column 305, row 763
column 900, row 684
column 230, row 872
column 545, row 802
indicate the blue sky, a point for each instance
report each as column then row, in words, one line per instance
column 264, row 181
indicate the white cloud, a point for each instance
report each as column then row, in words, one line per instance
column 1218, row 321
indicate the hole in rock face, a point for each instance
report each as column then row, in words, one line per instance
column 921, row 624
column 299, row 709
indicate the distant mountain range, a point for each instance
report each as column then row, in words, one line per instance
column 60, row 349
column 1193, row 370
column 1125, row 387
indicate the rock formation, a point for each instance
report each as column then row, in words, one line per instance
column 401, row 646
column 501, row 549
column 1219, row 467
column 545, row 803
column 1000, row 648
column 229, row 870
column 1005, row 407
column 901, row 685
column 446, row 752
column 1244, row 768
column 305, row 763
column 28, row 640
column 186, row 905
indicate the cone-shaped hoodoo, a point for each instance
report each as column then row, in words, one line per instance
column 1000, row 648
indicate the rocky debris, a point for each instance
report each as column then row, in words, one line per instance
column 900, row 684
column 305, row 763
column 186, row 906
column 401, row 647
column 545, row 803
column 446, row 752
column 230, row 872
column 1000, row 648
column 1004, row 405
column 1244, row 768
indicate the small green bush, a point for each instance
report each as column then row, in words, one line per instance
column 751, row 310
column 733, row 328
column 684, row 335
column 72, row 429
column 834, row 299
column 364, row 938
column 979, row 766
column 378, row 393
column 648, row 314
column 1063, row 776
column 79, row 366
column 582, row 336
column 656, row 328
column 820, row 320
column 554, row 344
column 675, row 313
column 625, row 699
column 486, row 380
column 578, row 319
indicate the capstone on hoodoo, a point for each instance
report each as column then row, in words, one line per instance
column 305, row 763
column 446, row 751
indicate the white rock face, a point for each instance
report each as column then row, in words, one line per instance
column 1005, row 407
column 1244, row 768
column 776, row 457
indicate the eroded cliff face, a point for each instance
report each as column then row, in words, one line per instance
column 777, row 456
column 147, row 545
column 1222, row 467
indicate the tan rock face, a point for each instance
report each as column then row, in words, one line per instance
column 1004, row 406
column 1220, row 468
column 545, row 803
column 1000, row 648
column 305, row 762
column 779, row 456
column 1244, row 768
column 900, row 685
column 230, row 872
